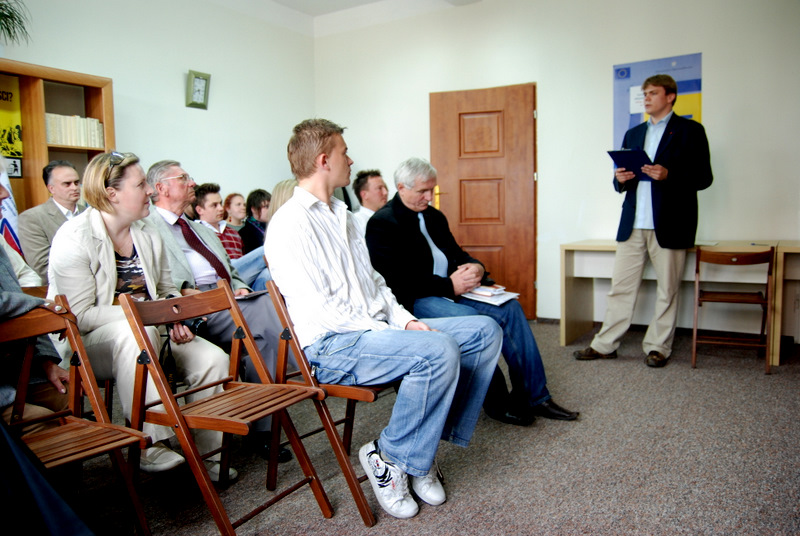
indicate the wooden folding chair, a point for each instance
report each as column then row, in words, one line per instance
column 73, row 438
column 352, row 393
column 231, row 411
column 108, row 385
column 759, row 298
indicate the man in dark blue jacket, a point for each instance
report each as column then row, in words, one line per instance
column 659, row 221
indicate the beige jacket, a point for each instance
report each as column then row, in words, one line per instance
column 83, row 267
column 37, row 229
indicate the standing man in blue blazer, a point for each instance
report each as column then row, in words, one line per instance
column 659, row 221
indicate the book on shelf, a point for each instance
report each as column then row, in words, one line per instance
column 74, row 130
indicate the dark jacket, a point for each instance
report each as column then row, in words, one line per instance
column 684, row 152
column 13, row 302
column 252, row 233
column 400, row 252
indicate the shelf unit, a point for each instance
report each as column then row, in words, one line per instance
column 39, row 88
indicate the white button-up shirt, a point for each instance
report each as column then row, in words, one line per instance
column 644, row 191
column 203, row 272
column 69, row 214
column 320, row 262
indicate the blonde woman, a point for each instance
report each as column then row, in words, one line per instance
column 280, row 195
column 105, row 252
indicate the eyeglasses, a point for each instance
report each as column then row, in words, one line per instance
column 184, row 177
column 115, row 160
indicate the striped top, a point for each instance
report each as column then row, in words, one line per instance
column 229, row 237
column 320, row 262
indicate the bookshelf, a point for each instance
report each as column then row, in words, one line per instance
column 49, row 90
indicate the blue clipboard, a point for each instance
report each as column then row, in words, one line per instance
column 631, row 160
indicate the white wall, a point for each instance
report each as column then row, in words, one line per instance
column 261, row 80
column 376, row 82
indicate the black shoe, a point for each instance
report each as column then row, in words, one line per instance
column 656, row 359
column 259, row 442
column 589, row 353
column 284, row 454
column 517, row 418
column 550, row 410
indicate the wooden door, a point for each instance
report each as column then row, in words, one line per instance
column 483, row 145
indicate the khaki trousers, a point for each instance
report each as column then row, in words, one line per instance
column 43, row 399
column 629, row 264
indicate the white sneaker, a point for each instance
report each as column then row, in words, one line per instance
column 213, row 471
column 428, row 488
column 159, row 458
column 389, row 483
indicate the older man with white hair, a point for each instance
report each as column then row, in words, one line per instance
column 411, row 245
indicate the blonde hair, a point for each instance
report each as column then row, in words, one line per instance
column 280, row 195
column 105, row 170
column 310, row 139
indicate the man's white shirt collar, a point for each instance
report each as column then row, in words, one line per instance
column 219, row 229
column 69, row 214
column 169, row 216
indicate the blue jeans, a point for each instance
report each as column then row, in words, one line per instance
column 252, row 269
column 525, row 368
column 444, row 375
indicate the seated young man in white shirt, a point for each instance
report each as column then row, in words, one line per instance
column 354, row 332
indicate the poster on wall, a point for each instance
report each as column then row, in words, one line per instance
column 628, row 98
column 10, row 117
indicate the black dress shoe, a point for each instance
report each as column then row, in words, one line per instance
column 524, row 418
column 284, row 454
column 259, row 442
column 550, row 410
column 656, row 359
column 590, row 353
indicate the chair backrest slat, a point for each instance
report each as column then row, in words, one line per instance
column 736, row 259
column 32, row 324
column 154, row 313
column 289, row 341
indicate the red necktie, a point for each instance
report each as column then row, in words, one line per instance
column 196, row 244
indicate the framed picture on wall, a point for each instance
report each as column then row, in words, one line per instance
column 14, row 167
column 197, row 86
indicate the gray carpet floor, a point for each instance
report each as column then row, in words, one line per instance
column 710, row 451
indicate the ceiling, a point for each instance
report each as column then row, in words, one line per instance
column 322, row 7
column 319, row 18
column 316, row 8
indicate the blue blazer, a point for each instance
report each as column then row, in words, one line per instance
column 684, row 152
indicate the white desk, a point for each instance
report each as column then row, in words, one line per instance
column 586, row 269
column 787, row 303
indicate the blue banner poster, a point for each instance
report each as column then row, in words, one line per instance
column 10, row 146
column 628, row 99
column 8, row 214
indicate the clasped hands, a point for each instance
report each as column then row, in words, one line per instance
column 466, row 277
